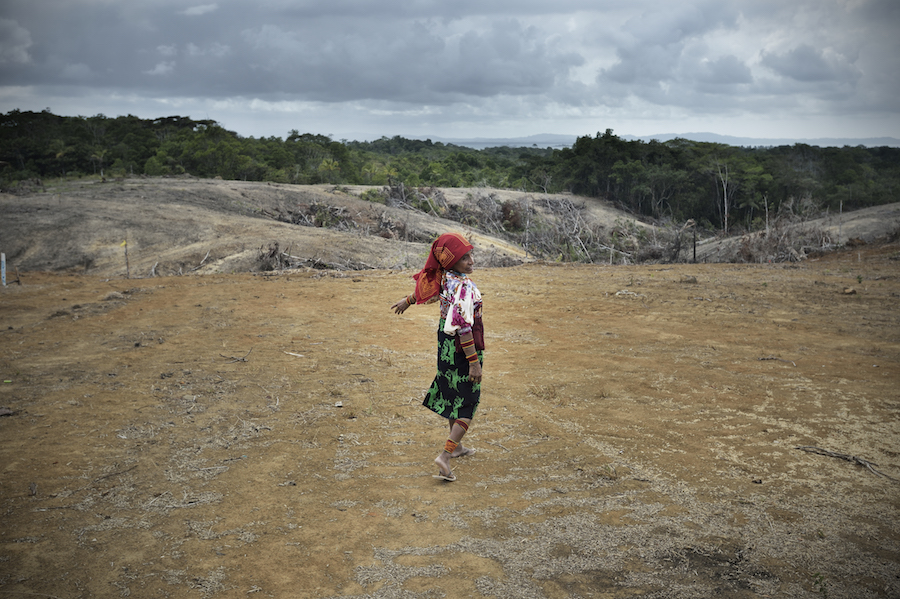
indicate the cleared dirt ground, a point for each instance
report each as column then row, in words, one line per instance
column 182, row 437
column 261, row 435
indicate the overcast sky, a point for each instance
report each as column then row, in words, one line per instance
column 357, row 69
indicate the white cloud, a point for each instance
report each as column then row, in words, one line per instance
column 215, row 50
column 725, row 70
column 196, row 11
column 167, row 51
column 162, row 68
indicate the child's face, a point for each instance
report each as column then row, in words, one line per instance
column 465, row 265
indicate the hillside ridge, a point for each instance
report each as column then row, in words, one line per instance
column 156, row 226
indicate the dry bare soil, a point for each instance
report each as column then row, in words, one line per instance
column 261, row 434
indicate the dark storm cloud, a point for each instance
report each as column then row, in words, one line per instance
column 340, row 54
column 807, row 55
column 661, row 57
column 437, row 63
column 412, row 63
column 808, row 64
column 725, row 70
column 14, row 43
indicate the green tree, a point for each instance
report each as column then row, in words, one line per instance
column 98, row 157
column 330, row 169
column 662, row 183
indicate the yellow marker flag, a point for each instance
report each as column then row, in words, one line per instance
column 124, row 243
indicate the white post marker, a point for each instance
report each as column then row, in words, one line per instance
column 3, row 268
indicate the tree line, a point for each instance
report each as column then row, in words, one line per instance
column 721, row 187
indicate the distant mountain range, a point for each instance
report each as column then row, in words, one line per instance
column 549, row 140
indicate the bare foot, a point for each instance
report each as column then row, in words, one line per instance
column 461, row 451
column 444, row 467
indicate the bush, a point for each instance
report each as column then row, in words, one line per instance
column 374, row 195
column 155, row 168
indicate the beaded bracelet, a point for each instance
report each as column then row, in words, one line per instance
column 466, row 346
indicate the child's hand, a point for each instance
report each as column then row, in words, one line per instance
column 475, row 372
column 401, row 306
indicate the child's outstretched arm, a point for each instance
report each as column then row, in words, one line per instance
column 401, row 306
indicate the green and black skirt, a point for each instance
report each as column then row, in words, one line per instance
column 452, row 394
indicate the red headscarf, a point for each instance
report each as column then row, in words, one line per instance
column 445, row 252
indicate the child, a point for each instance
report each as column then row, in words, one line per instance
column 456, row 389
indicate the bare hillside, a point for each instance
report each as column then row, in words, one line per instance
column 182, row 225
column 185, row 225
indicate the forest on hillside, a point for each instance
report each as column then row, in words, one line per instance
column 725, row 188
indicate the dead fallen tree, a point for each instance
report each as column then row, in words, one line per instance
column 560, row 228
column 430, row 200
column 272, row 258
column 315, row 214
column 784, row 241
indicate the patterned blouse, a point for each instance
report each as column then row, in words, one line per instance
column 460, row 303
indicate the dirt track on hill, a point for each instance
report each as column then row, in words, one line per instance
column 261, row 435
